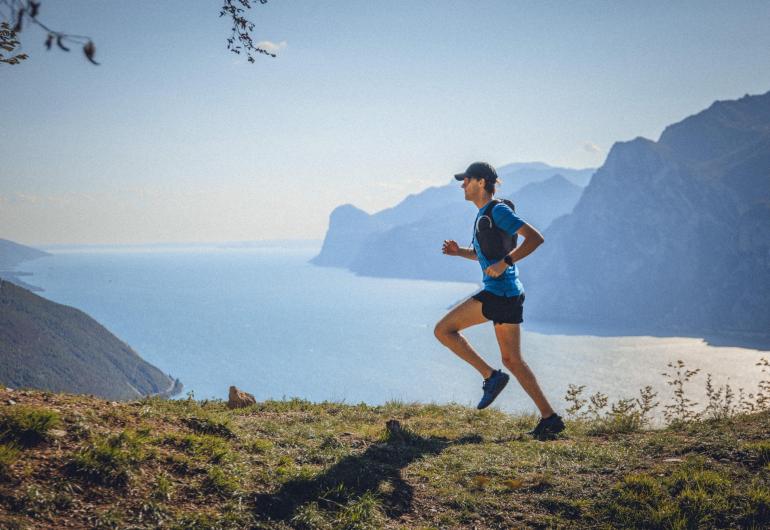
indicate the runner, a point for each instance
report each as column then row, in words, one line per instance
column 501, row 300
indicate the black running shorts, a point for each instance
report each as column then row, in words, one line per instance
column 501, row 309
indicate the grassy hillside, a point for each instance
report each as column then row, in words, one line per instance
column 55, row 347
column 81, row 462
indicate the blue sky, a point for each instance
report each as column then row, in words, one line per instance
column 173, row 138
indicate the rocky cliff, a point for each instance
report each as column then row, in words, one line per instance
column 673, row 234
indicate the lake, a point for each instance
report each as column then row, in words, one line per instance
column 261, row 318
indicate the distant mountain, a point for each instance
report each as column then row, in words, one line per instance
column 54, row 347
column 521, row 174
column 351, row 229
column 673, row 234
column 413, row 250
column 348, row 229
column 11, row 255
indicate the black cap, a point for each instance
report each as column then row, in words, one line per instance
column 479, row 170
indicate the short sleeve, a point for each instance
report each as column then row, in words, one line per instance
column 506, row 219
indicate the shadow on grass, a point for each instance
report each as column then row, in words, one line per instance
column 354, row 476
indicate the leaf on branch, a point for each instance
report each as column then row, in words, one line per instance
column 35, row 6
column 19, row 19
column 60, row 43
column 89, row 49
column 48, row 41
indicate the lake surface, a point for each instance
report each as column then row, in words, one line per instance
column 265, row 320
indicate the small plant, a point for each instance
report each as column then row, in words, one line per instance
column 8, row 455
column 213, row 448
column 362, row 513
column 624, row 416
column 163, row 488
column 109, row 460
column 720, row 400
column 646, row 403
column 310, row 517
column 218, row 481
column 682, row 409
column 109, row 519
column 596, row 404
column 210, row 425
column 27, row 426
column 259, row 446
column 763, row 392
column 760, row 451
column 577, row 403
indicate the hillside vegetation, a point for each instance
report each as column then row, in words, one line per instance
column 70, row 461
column 56, row 347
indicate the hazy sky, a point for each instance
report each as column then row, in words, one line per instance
column 173, row 138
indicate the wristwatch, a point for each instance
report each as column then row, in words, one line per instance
column 507, row 259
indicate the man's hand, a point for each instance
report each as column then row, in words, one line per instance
column 450, row 248
column 496, row 269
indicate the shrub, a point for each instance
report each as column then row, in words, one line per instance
column 210, row 425
column 218, row 481
column 760, row 451
column 624, row 416
column 27, row 426
column 213, row 448
column 109, row 460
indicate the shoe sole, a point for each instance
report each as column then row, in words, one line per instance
column 494, row 396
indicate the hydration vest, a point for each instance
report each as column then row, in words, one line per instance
column 494, row 242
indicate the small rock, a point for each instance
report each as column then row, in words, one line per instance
column 8, row 389
column 57, row 433
column 673, row 460
column 239, row 399
column 114, row 403
column 10, row 402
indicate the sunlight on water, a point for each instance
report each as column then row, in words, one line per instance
column 265, row 320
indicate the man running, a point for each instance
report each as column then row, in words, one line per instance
column 501, row 300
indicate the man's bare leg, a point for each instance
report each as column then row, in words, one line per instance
column 509, row 339
column 448, row 329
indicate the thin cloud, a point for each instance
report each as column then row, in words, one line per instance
column 271, row 47
column 591, row 147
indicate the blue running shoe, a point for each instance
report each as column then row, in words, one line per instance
column 548, row 428
column 493, row 385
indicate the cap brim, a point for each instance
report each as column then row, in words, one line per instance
column 461, row 176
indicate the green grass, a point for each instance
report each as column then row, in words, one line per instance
column 109, row 459
column 695, row 495
column 220, row 481
column 27, row 426
column 296, row 464
column 8, row 455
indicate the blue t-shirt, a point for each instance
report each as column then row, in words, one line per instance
column 507, row 284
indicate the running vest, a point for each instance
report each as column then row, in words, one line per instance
column 494, row 242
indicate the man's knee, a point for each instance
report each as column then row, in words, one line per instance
column 443, row 331
column 512, row 361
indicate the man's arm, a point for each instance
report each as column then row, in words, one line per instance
column 451, row 248
column 469, row 253
column 532, row 240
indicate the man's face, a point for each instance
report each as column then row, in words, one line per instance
column 472, row 188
